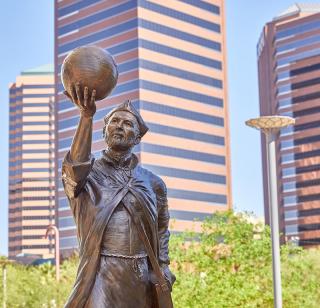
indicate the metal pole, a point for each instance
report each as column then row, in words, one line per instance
column 274, row 221
column 4, row 272
column 57, row 248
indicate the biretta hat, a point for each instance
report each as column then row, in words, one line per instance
column 127, row 106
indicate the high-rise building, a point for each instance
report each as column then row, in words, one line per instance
column 31, row 162
column 289, row 81
column 171, row 58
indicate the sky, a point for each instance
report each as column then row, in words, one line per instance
column 27, row 40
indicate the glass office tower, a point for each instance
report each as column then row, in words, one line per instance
column 172, row 64
column 31, row 162
column 289, row 80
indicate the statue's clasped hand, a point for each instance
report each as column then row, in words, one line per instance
column 81, row 99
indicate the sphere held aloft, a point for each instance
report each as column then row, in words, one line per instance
column 91, row 66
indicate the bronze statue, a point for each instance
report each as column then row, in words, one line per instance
column 119, row 208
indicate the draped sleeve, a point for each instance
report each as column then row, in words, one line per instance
column 74, row 175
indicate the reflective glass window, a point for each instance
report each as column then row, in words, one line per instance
column 290, row 200
column 68, row 242
column 299, row 43
column 302, row 55
column 288, row 186
column 285, row 144
column 150, row 5
column 94, row 18
column 284, row 89
column 287, row 172
column 287, row 130
column 285, row 102
column 283, row 75
column 285, row 158
column 289, row 215
column 291, row 229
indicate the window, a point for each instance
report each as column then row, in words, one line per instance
column 291, row 229
column 298, row 43
column 285, row 144
column 291, row 215
column 290, row 200
column 285, row 102
column 286, row 158
column 283, row 75
column 288, row 172
column 287, row 130
column 300, row 56
column 284, row 89
column 301, row 28
column 288, row 186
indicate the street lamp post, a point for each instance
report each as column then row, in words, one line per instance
column 57, row 249
column 270, row 126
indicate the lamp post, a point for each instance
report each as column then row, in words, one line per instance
column 57, row 249
column 270, row 126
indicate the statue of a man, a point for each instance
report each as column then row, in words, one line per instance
column 108, row 197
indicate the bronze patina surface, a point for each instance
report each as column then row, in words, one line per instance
column 91, row 66
column 114, row 268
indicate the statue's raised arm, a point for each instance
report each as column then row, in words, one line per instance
column 81, row 144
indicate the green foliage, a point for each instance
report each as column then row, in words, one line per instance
column 228, row 265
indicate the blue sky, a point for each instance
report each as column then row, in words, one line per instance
column 26, row 32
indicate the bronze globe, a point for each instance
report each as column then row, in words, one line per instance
column 91, row 66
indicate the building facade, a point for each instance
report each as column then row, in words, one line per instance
column 31, row 163
column 172, row 64
column 289, row 82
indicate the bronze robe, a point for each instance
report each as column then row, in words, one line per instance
column 94, row 190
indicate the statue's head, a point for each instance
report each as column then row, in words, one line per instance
column 123, row 127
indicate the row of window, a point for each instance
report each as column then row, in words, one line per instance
column 187, row 174
column 298, row 29
column 180, row 15
column 298, row 99
column 179, row 34
column 204, row 5
column 290, row 157
column 33, row 198
column 177, row 92
column 298, row 43
column 299, row 56
column 15, row 219
column 119, row 9
column 34, row 227
column 184, row 55
column 180, row 73
column 25, row 237
column 311, row 241
column 30, row 208
column 93, row 18
column 292, row 171
column 286, row 144
column 101, row 35
column 30, row 247
column 187, row 154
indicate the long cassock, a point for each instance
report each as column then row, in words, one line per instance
column 97, row 191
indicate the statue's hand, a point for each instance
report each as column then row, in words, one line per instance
column 87, row 106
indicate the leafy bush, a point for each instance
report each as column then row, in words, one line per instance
column 227, row 265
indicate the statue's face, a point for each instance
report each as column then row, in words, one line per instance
column 122, row 131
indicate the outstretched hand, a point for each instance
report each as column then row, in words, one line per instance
column 87, row 106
